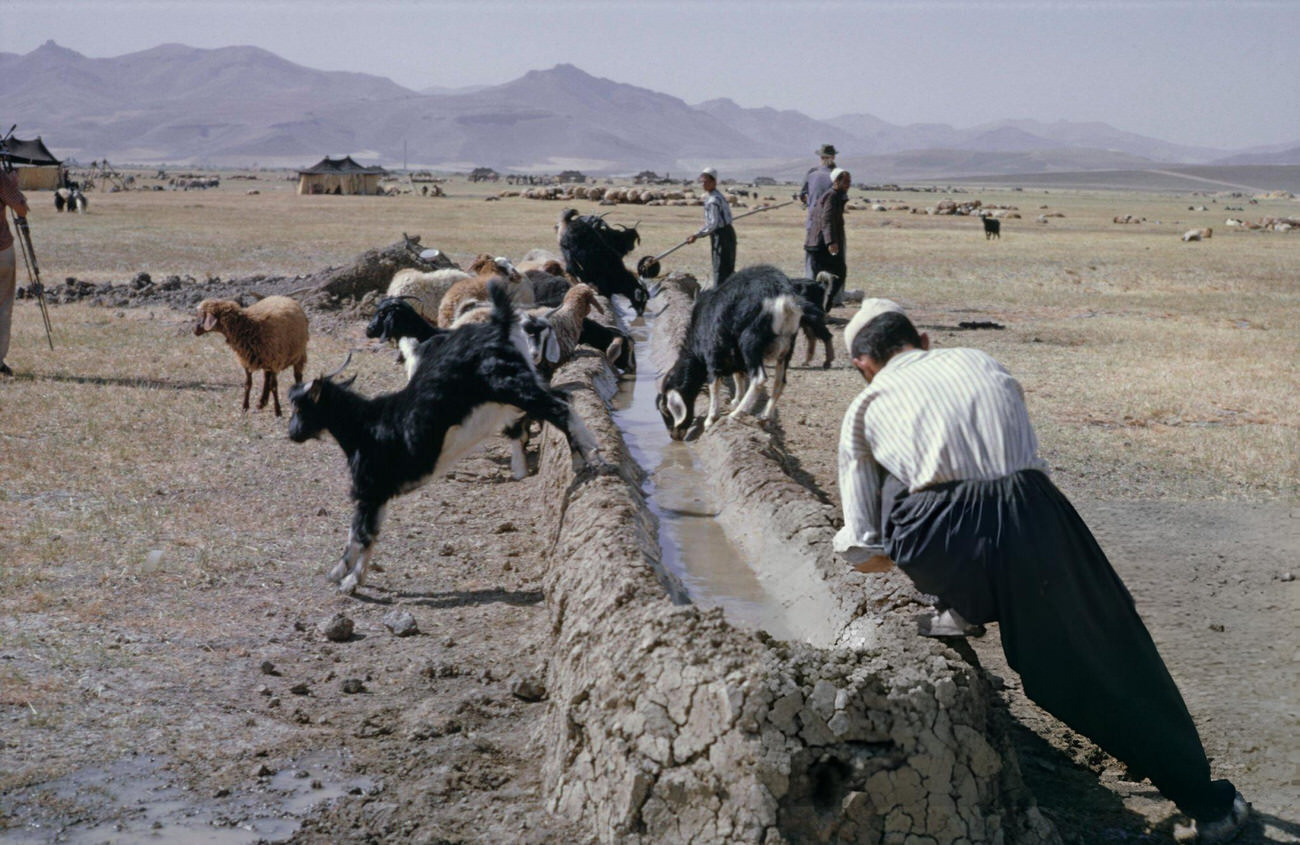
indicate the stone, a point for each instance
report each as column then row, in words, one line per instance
column 401, row 623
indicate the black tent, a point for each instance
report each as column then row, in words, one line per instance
column 32, row 152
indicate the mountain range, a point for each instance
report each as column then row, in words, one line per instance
column 245, row 106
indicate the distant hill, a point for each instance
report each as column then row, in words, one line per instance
column 238, row 106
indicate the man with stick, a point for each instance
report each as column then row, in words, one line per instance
column 939, row 471
column 11, row 199
column 717, row 225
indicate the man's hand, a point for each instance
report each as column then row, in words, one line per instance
column 691, row 239
column 833, row 249
column 875, row 563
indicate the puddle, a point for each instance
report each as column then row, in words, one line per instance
column 136, row 800
column 694, row 548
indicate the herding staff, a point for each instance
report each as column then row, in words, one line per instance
column 35, row 288
column 648, row 266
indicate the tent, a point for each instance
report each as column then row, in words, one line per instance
column 36, row 167
column 340, row 176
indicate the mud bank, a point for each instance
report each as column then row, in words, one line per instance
column 668, row 724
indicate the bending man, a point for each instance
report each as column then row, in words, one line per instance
column 939, row 471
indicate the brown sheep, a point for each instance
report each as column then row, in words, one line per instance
column 270, row 335
column 459, row 296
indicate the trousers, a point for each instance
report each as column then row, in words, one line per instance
column 723, row 243
column 8, row 285
column 1014, row 551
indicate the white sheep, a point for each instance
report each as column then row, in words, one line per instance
column 425, row 290
column 456, row 300
column 269, row 335
column 1197, row 235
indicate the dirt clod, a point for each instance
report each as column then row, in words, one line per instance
column 351, row 686
column 338, row 628
column 527, row 688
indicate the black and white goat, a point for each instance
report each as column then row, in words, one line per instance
column 737, row 329
column 477, row 380
column 593, row 253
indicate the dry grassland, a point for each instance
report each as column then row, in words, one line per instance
column 1171, row 360
column 1154, row 369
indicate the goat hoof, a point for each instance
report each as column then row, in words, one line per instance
column 336, row 574
column 348, row 585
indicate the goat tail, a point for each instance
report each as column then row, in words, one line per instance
column 503, row 313
column 787, row 313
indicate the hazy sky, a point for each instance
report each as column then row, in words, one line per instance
column 1219, row 74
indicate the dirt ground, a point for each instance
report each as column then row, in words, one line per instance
column 163, row 671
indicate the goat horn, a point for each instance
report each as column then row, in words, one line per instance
column 343, row 367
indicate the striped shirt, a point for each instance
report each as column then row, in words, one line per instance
column 928, row 417
column 716, row 212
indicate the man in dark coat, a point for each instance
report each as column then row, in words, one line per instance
column 816, row 182
column 824, row 243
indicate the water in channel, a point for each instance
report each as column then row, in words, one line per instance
column 693, row 546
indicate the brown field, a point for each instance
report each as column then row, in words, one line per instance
column 1160, row 374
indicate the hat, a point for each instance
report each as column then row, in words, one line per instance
column 826, row 150
column 835, row 174
column 870, row 310
column 710, row 172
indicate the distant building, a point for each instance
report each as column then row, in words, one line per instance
column 575, row 176
column 340, row 176
column 37, row 169
column 764, row 180
column 483, row 174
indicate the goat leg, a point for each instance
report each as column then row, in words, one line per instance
column 248, row 386
column 715, row 395
column 350, row 571
column 543, row 405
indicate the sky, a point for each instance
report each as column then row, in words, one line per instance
column 1197, row 72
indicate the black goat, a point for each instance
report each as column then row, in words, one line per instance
column 593, row 253
column 992, row 228
column 813, row 323
column 736, row 329
column 618, row 345
column 476, row 381
column 396, row 319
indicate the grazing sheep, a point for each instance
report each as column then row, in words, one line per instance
column 270, row 335
column 425, row 290
column 1197, row 235
column 479, row 380
column 468, row 293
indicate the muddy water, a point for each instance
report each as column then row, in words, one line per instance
column 694, row 548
